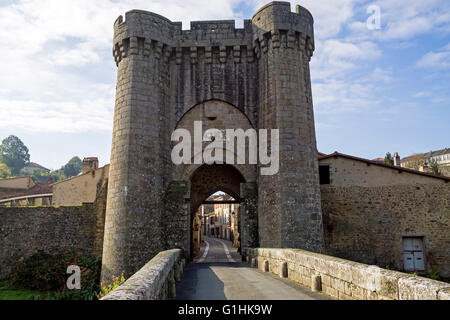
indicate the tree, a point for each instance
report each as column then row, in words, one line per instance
column 388, row 159
column 14, row 154
column 4, row 171
column 434, row 167
column 73, row 167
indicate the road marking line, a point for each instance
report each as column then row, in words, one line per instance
column 227, row 252
column 205, row 253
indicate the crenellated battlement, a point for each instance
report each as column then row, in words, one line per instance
column 147, row 33
column 276, row 23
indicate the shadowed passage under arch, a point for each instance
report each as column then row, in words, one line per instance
column 209, row 179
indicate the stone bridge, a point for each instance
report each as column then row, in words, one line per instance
column 270, row 274
column 221, row 77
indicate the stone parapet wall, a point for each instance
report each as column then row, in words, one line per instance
column 154, row 281
column 344, row 279
column 55, row 230
column 367, row 224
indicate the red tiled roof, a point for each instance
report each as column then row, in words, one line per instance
column 36, row 165
column 431, row 175
column 39, row 188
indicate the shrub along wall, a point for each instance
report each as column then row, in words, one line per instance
column 54, row 230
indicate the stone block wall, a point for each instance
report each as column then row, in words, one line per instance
column 347, row 280
column 289, row 209
column 55, row 230
column 366, row 224
column 262, row 70
column 154, row 281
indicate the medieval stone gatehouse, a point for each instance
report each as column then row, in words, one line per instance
column 255, row 77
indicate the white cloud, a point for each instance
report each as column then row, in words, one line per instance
column 402, row 19
column 62, row 117
column 438, row 60
column 422, row 94
column 51, row 50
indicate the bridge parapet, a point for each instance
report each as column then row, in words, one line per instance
column 345, row 279
column 154, row 281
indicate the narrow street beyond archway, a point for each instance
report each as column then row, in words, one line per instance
column 217, row 273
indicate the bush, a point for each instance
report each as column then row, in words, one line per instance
column 106, row 287
column 41, row 272
column 45, row 272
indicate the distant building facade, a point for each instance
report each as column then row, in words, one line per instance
column 23, row 192
column 423, row 161
column 83, row 188
column 29, row 169
column 221, row 219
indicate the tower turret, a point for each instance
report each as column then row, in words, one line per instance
column 289, row 205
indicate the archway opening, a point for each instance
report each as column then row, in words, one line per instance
column 215, row 199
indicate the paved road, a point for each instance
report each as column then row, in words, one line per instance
column 218, row 274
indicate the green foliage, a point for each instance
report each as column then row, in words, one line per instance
column 4, row 171
column 107, row 287
column 41, row 272
column 433, row 274
column 435, row 168
column 45, row 272
column 388, row 159
column 73, row 167
column 14, row 154
column 42, row 176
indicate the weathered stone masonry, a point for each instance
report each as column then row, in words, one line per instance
column 55, row 230
column 366, row 224
column 164, row 71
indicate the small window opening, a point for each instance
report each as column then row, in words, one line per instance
column 324, row 174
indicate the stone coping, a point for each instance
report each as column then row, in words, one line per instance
column 154, row 281
column 346, row 280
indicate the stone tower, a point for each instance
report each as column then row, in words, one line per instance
column 258, row 75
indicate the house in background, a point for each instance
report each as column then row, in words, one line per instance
column 84, row 188
column 23, row 191
column 422, row 161
column 34, row 166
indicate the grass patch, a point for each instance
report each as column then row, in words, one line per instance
column 8, row 292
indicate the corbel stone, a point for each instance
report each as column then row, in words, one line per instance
column 291, row 39
column 208, row 55
column 116, row 53
column 194, row 55
column 237, row 54
column 133, row 46
column 122, row 50
column 167, row 52
column 257, row 50
column 147, row 47
column 263, row 43
column 275, row 39
column 179, row 55
column 158, row 49
column 223, row 54
column 302, row 42
column 250, row 55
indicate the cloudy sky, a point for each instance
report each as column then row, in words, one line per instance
column 374, row 91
